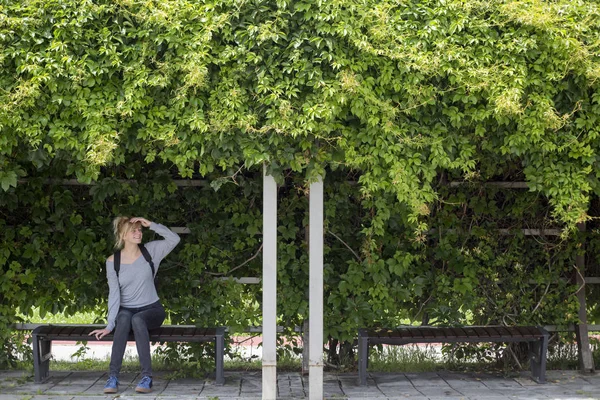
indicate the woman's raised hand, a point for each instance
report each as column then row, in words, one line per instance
column 145, row 223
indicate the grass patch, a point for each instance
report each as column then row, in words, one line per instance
column 131, row 364
column 60, row 318
column 285, row 363
column 408, row 358
column 91, row 317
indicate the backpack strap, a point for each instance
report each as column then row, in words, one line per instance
column 117, row 261
column 147, row 257
column 145, row 253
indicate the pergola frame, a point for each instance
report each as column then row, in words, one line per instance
column 269, row 359
column 316, row 280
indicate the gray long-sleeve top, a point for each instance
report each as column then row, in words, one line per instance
column 134, row 287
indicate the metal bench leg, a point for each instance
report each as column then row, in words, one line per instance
column 219, row 354
column 363, row 357
column 42, row 351
column 537, row 359
column 37, row 373
column 543, row 355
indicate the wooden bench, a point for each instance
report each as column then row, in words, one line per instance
column 43, row 336
column 536, row 336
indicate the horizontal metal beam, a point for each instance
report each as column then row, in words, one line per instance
column 181, row 230
column 570, row 328
column 75, row 182
column 246, row 280
column 204, row 182
column 525, row 231
column 533, row 232
column 502, row 185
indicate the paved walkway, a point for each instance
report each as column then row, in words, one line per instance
column 562, row 385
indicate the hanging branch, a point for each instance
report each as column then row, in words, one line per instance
column 509, row 347
column 423, row 305
column 542, row 298
column 345, row 244
column 238, row 266
column 582, row 279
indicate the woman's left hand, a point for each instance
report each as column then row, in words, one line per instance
column 99, row 333
column 145, row 223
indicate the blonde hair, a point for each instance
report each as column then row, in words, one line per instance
column 121, row 227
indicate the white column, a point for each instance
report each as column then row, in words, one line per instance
column 315, row 363
column 269, row 300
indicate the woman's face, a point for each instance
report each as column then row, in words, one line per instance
column 134, row 235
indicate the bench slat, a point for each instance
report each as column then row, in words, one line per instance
column 460, row 333
column 68, row 331
column 492, row 332
column 533, row 331
column 503, row 331
column 167, row 331
column 189, row 332
column 515, row 332
column 82, row 330
column 428, row 333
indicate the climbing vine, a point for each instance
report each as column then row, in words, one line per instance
column 392, row 102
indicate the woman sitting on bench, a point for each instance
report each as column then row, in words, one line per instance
column 133, row 304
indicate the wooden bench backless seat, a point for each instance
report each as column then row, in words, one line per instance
column 44, row 335
column 535, row 335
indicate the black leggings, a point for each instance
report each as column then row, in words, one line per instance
column 140, row 321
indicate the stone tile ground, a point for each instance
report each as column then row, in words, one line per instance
column 562, row 385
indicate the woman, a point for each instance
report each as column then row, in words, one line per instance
column 133, row 303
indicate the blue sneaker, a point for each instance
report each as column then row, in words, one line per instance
column 145, row 385
column 112, row 385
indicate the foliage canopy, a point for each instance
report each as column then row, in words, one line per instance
column 396, row 90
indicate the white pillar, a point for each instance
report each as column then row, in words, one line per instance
column 269, row 300
column 315, row 363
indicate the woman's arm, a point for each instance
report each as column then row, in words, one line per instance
column 159, row 249
column 114, row 300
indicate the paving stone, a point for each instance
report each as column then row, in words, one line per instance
column 385, row 378
column 401, row 392
column 174, row 389
column 81, row 376
column 251, row 385
column 502, row 384
column 440, row 392
column 9, row 396
column 428, row 382
column 447, row 398
column 526, row 382
column 63, row 389
column 486, row 394
column 45, row 397
column 290, row 386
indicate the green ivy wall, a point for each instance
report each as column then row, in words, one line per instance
column 389, row 101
